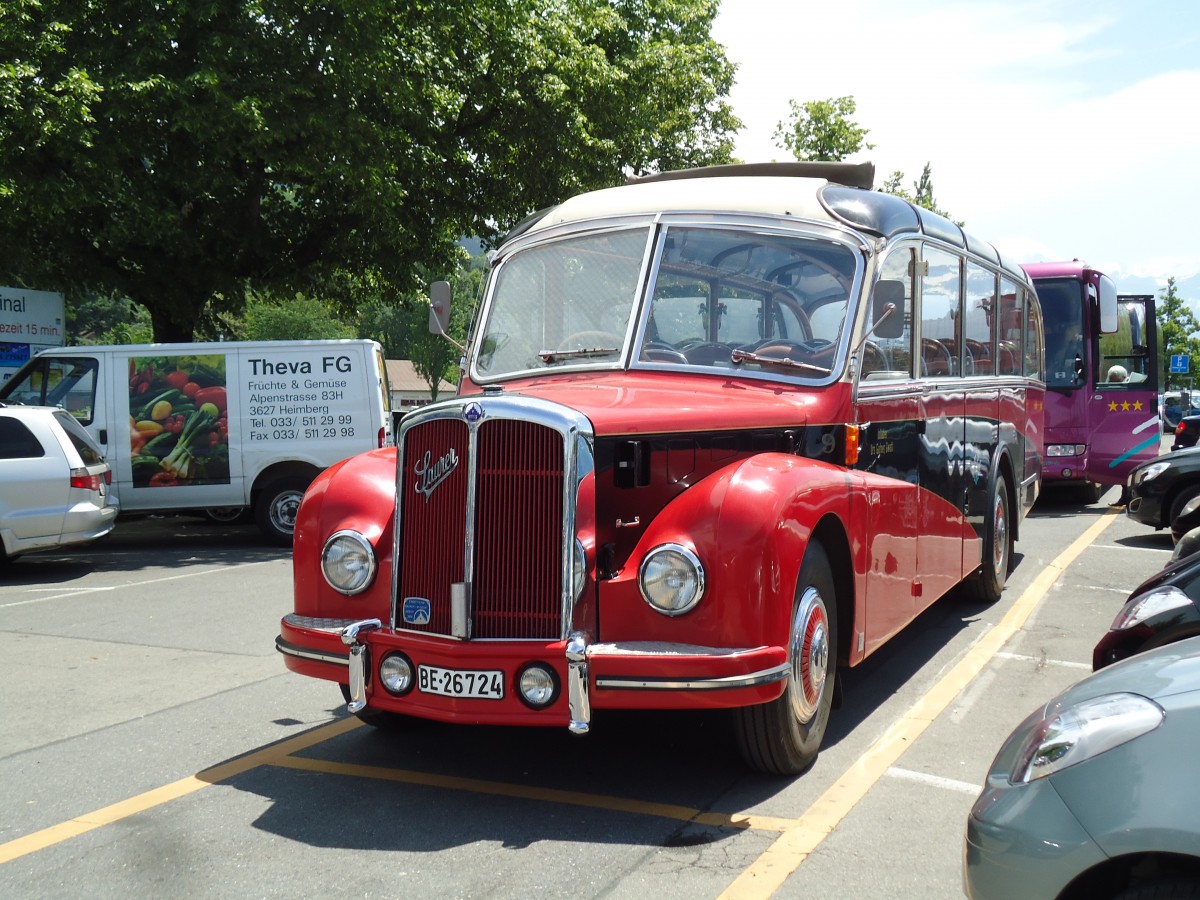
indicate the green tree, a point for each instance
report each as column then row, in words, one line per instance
column 922, row 192
column 296, row 318
column 1177, row 330
column 822, row 130
column 184, row 153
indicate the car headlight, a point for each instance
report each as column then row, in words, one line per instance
column 1079, row 732
column 1151, row 471
column 1150, row 604
column 348, row 562
column 671, row 579
column 1190, row 507
column 1066, row 449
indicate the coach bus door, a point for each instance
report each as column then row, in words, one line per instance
column 1123, row 407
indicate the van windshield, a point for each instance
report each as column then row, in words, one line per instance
column 66, row 382
column 726, row 297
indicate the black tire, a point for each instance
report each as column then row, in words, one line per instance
column 225, row 515
column 384, row 721
column 1090, row 492
column 276, row 507
column 1181, row 500
column 986, row 585
column 783, row 737
column 1186, row 889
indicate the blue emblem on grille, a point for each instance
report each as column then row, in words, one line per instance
column 473, row 412
column 415, row 611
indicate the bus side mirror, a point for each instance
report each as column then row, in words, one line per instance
column 887, row 309
column 1109, row 306
column 439, row 307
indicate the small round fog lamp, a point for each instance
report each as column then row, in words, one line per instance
column 396, row 674
column 538, row 686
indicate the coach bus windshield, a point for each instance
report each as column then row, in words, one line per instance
column 733, row 298
column 1066, row 352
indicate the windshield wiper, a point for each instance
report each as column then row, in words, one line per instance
column 739, row 356
column 549, row 356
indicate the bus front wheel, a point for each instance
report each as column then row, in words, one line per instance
column 986, row 585
column 782, row 737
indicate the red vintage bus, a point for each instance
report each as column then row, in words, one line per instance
column 719, row 433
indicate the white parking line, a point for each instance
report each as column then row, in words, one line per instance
column 75, row 592
column 1045, row 662
column 950, row 784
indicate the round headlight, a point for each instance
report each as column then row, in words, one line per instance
column 396, row 674
column 537, row 686
column 348, row 562
column 671, row 579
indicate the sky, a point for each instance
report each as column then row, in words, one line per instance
column 1055, row 129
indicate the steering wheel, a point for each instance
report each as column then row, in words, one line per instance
column 873, row 358
column 591, row 340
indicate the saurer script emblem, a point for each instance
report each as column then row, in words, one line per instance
column 431, row 472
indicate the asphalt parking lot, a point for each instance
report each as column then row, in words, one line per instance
column 154, row 743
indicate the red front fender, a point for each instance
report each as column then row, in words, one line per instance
column 749, row 524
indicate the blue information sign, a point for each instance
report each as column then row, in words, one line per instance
column 1179, row 363
column 14, row 354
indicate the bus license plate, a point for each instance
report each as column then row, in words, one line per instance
column 485, row 684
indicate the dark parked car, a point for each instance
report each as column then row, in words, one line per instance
column 1161, row 610
column 1186, row 432
column 1095, row 795
column 1158, row 490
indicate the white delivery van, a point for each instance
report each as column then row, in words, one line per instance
column 224, row 427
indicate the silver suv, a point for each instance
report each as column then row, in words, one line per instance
column 53, row 482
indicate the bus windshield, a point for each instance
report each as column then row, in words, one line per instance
column 767, row 304
column 1066, row 355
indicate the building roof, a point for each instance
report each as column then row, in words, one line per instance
column 403, row 377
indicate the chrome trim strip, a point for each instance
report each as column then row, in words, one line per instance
column 313, row 623
column 752, row 679
column 289, row 649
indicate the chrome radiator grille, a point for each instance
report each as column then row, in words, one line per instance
column 482, row 505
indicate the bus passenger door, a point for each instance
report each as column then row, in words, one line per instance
column 1123, row 416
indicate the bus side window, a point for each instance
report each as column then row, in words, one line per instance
column 941, row 288
column 1011, row 346
column 979, row 352
column 1035, row 352
column 891, row 357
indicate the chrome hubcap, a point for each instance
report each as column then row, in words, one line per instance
column 809, row 653
column 1000, row 531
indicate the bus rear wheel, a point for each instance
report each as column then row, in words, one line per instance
column 986, row 585
column 782, row 737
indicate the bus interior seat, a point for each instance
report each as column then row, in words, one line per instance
column 936, row 359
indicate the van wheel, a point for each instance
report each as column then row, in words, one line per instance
column 986, row 585
column 276, row 507
column 783, row 737
column 224, row 515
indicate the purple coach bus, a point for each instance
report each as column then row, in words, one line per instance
column 1101, row 377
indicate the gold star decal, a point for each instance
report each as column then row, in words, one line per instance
column 1112, row 407
column 1125, row 406
column 1137, row 404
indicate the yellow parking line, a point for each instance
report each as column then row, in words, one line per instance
column 549, row 795
column 768, row 873
column 55, row 834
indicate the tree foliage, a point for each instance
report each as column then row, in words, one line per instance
column 922, row 192
column 1177, row 330
column 822, row 130
column 295, row 318
column 186, row 152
